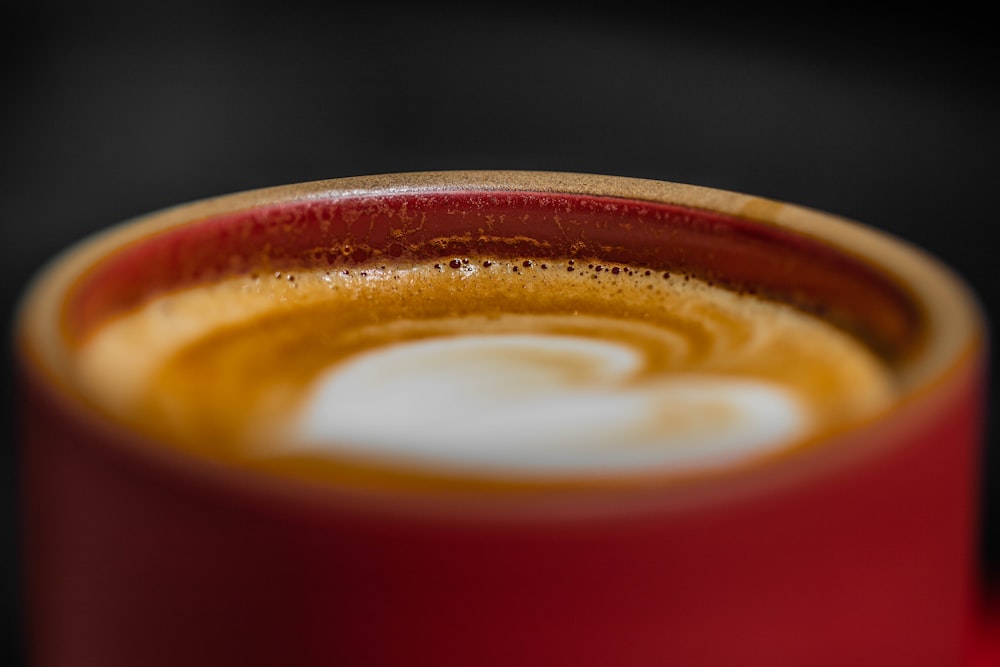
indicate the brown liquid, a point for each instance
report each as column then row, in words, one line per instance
column 221, row 370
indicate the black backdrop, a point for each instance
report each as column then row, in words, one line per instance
column 110, row 113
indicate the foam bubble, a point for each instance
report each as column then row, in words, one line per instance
column 536, row 402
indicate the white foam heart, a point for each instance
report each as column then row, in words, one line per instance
column 543, row 403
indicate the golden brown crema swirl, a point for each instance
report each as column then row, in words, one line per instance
column 515, row 367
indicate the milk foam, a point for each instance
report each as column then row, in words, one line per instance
column 539, row 403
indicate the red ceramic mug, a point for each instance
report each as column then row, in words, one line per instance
column 858, row 550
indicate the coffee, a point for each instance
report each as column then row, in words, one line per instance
column 433, row 338
column 490, row 365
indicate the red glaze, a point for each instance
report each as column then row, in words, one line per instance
column 136, row 557
column 130, row 563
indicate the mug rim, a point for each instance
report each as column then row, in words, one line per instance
column 953, row 317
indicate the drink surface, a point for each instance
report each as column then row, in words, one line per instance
column 518, row 368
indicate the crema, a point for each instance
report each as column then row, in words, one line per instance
column 484, row 366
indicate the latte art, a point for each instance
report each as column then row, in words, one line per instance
column 529, row 402
column 498, row 367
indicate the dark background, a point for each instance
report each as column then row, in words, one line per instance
column 106, row 114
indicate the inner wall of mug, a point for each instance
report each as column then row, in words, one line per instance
column 910, row 310
column 358, row 231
